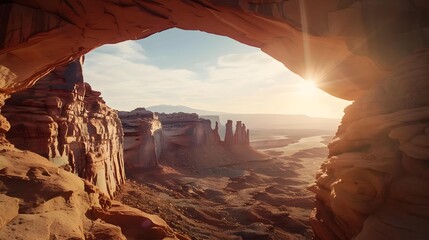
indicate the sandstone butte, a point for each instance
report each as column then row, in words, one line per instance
column 373, row 184
column 149, row 136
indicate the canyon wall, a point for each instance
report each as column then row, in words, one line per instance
column 190, row 142
column 187, row 130
column 40, row 201
column 374, row 184
column 240, row 136
column 64, row 120
column 180, row 139
column 143, row 138
column 347, row 46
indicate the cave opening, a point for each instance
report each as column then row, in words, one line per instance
column 290, row 121
column 372, row 185
column 203, row 71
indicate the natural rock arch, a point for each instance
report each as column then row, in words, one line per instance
column 339, row 34
column 373, row 52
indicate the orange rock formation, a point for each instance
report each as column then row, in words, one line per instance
column 64, row 120
column 142, row 138
column 374, row 183
column 40, row 201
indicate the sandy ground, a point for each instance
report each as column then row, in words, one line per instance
column 258, row 199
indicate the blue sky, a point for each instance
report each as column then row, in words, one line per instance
column 202, row 71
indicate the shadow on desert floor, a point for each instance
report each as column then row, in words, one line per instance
column 259, row 199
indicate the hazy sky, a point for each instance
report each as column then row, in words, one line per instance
column 203, row 71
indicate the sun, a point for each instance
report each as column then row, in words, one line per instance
column 307, row 88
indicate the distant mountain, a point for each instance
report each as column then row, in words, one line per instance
column 258, row 121
column 180, row 108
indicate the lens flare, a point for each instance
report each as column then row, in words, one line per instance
column 307, row 88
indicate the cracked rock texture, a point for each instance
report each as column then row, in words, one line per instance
column 60, row 205
column 374, row 184
column 64, row 120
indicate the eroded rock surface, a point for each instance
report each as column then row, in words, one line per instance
column 187, row 130
column 60, row 205
column 364, row 50
column 241, row 135
column 142, row 138
column 182, row 139
column 339, row 35
column 374, row 184
column 64, row 120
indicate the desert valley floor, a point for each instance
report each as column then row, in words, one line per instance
column 265, row 198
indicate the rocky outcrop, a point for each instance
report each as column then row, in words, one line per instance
column 241, row 136
column 142, row 138
column 215, row 133
column 229, row 136
column 40, row 201
column 348, row 46
column 216, row 124
column 172, row 138
column 190, row 142
column 358, row 50
column 374, row 184
column 187, row 130
column 64, row 120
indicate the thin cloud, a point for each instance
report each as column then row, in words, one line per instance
column 249, row 82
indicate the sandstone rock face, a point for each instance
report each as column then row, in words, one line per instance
column 229, row 136
column 339, row 35
column 215, row 133
column 180, row 139
column 241, row 135
column 374, row 184
column 215, row 121
column 64, row 120
column 187, row 130
column 40, row 201
column 142, row 138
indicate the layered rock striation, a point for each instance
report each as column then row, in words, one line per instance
column 187, row 130
column 186, row 138
column 374, row 184
column 64, row 120
column 348, row 46
column 143, row 138
column 40, row 201
column 241, row 135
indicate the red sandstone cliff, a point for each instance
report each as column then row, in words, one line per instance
column 64, row 120
column 181, row 139
column 40, row 201
column 241, row 135
column 353, row 48
column 142, row 138
column 189, row 141
column 187, row 130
